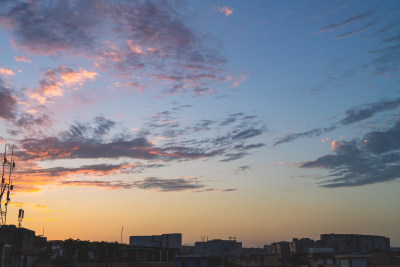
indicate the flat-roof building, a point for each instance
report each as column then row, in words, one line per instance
column 354, row 242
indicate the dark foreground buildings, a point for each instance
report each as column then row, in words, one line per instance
column 336, row 250
column 20, row 247
column 352, row 242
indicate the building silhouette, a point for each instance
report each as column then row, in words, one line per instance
column 354, row 242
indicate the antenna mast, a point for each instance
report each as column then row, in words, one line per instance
column 6, row 184
column 20, row 217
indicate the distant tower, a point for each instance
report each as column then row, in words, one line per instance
column 6, row 184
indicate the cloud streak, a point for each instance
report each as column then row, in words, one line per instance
column 180, row 184
column 150, row 183
column 366, row 111
column 346, row 22
column 168, row 185
column 353, row 115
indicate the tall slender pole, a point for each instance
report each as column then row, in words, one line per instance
column 8, row 185
column 3, row 187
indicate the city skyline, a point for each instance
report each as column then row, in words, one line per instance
column 263, row 120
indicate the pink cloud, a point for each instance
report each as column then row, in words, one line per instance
column 226, row 10
column 238, row 80
column 77, row 77
column 335, row 145
column 57, row 79
column 326, row 139
column 135, row 48
column 7, row 72
column 22, row 59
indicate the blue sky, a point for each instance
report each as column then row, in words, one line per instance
column 227, row 108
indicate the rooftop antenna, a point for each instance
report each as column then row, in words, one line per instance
column 122, row 230
column 20, row 216
column 6, row 184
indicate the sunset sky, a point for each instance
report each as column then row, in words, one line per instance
column 264, row 120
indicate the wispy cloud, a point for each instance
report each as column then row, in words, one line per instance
column 22, row 59
column 85, row 140
column 353, row 115
column 97, row 183
column 366, row 111
column 356, row 31
column 167, row 185
column 97, row 169
column 311, row 133
column 244, row 168
column 180, row 184
column 40, row 206
column 150, row 183
column 346, row 22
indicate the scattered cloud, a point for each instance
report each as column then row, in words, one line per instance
column 373, row 159
column 326, row 139
column 155, row 143
column 90, row 141
column 150, row 36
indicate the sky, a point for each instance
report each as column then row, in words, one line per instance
column 262, row 120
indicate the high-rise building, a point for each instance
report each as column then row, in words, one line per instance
column 301, row 245
column 281, row 249
column 218, row 247
column 354, row 242
column 159, row 241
